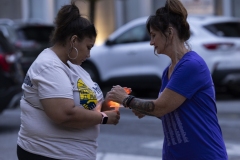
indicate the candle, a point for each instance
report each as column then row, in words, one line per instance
column 117, row 105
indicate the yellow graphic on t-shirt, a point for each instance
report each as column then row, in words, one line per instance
column 87, row 97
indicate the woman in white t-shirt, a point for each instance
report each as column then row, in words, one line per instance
column 61, row 107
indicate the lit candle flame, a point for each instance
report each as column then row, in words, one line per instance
column 113, row 104
column 127, row 90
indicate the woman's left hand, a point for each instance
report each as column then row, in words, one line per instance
column 138, row 114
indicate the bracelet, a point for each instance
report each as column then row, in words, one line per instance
column 127, row 100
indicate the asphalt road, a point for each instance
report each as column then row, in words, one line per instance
column 132, row 138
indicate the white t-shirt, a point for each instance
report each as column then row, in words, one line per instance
column 49, row 77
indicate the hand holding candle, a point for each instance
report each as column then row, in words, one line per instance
column 117, row 105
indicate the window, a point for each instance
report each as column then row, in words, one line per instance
column 133, row 35
column 36, row 33
column 227, row 29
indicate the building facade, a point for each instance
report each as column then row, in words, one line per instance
column 111, row 14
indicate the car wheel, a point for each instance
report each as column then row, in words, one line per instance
column 235, row 93
column 234, row 89
column 91, row 69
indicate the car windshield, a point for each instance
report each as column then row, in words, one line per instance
column 226, row 29
column 36, row 33
column 134, row 35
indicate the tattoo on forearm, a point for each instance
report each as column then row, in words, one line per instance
column 143, row 112
column 143, row 106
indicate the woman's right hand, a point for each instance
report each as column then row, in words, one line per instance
column 117, row 94
column 113, row 116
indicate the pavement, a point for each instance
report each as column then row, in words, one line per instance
column 223, row 107
column 116, row 156
column 232, row 106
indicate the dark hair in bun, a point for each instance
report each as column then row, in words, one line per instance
column 69, row 22
column 172, row 14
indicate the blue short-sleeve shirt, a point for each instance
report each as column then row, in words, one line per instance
column 192, row 131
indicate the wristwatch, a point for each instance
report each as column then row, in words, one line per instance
column 104, row 118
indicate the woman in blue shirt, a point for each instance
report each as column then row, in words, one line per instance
column 186, row 103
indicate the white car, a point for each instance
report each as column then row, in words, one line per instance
column 126, row 58
column 217, row 40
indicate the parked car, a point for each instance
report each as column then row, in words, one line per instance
column 126, row 57
column 227, row 74
column 30, row 37
column 217, row 40
column 11, row 75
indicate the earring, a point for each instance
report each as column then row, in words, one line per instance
column 75, row 56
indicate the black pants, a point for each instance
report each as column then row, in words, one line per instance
column 24, row 155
